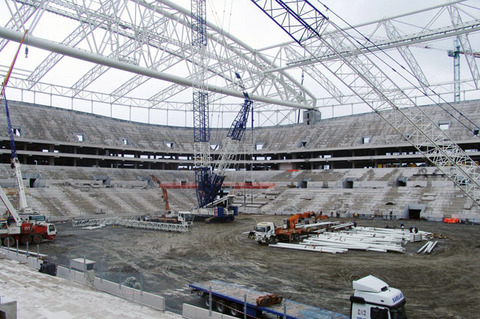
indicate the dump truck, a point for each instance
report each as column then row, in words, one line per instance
column 372, row 299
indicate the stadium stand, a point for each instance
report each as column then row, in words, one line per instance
column 79, row 164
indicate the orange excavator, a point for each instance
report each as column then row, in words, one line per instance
column 168, row 216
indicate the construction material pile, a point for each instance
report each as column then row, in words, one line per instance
column 359, row 238
column 428, row 247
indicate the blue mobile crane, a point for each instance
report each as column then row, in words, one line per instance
column 208, row 179
column 212, row 203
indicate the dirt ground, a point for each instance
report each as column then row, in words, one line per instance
column 444, row 284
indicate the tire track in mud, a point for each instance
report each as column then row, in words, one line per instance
column 440, row 285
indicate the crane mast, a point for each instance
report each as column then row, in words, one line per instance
column 209, row 181
column 201, row 126
column 15, row 164
column 307, row 25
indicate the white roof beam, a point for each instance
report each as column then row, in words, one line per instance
column 95, row 58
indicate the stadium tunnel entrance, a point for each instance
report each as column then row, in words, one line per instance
column 414, row 211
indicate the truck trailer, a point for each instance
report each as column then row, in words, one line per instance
column 372, row 299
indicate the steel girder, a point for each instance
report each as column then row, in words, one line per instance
column 362, row 74
column 154, row 40
column 406, row 53
column 397, row 35
column 129, row 222
column 17, row 21
column 154, row 35
column 465, row 44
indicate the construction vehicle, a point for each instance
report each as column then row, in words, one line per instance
column 372, row 298
column 221, row 209
column 212, row 204
column 268, row 233
column 169, row 216
column 25, row 212
column 25, row 226
column 164, row 193
column 15, row 229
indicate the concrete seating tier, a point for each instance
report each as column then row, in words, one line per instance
column 67, row 192
column 61, row 125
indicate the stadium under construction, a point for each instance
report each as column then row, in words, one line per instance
column 148, row 111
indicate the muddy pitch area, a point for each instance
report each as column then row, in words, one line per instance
column 444, row 284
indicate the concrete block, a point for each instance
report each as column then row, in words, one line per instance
column 8, row 308
column 193, row 312
column 82, row 264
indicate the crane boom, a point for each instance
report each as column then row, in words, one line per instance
column 10, row 208
column 235, row 133
column 15, row 163
column 201, row 130
column 164, row 192
column 361, row 74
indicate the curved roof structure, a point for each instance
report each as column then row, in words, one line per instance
column 133, row 59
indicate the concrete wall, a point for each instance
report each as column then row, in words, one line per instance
column 193, row 312
column 8, row 308
column 20, row 256
column 89, row 279
column 135, row 295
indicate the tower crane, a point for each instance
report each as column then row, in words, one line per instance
column 222, row 204
column 455, row 54
column 359, row 72
column 201, row 128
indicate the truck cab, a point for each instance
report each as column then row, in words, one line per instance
column 375, row 299
column 51, row 231
column 264, row 232
column 185, row 217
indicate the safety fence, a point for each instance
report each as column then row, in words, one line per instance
column 82, row 270
column 131, row 223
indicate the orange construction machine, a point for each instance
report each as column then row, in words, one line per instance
column 267, row 233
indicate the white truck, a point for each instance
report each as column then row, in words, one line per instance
column 375, row 299
column 292, row 230
column 372, row 299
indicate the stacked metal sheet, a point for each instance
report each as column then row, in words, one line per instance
column 358, row 238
